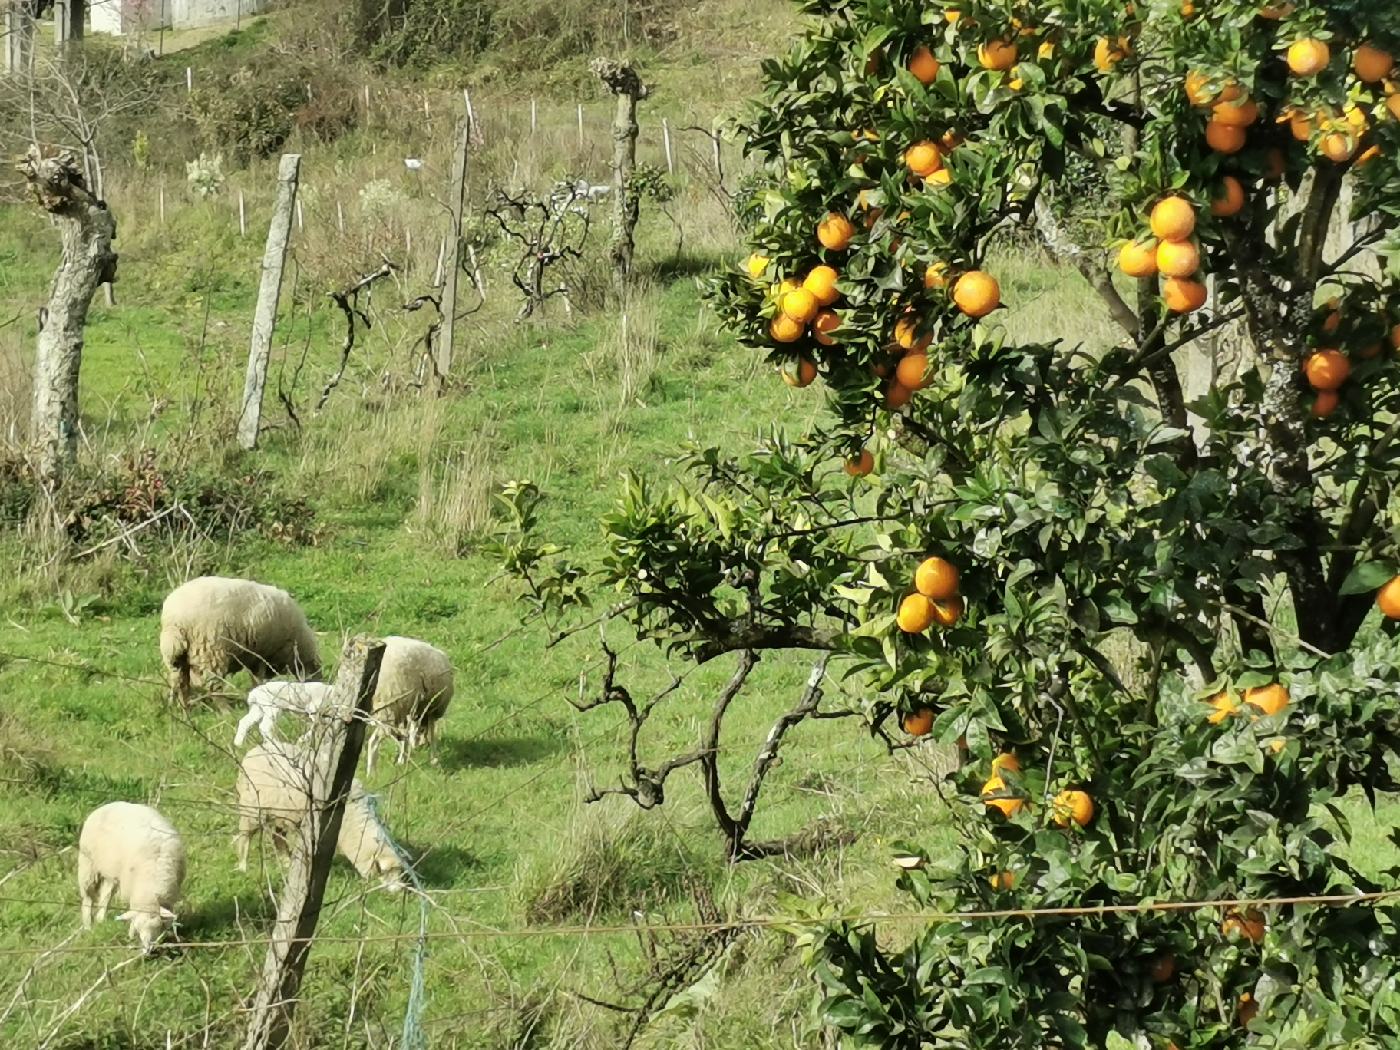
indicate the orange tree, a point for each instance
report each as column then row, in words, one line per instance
column 1167, row 644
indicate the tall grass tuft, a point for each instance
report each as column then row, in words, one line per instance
column 16, row 379
column 455, row 482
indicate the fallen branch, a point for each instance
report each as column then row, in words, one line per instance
column 349, row 302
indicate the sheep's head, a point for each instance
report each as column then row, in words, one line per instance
column 148, row 924
column 390, row 869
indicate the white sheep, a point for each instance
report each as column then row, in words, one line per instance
column 273, row 793
column 214, row 625
column 267, row 701
column 415, row 686
column 132, row 850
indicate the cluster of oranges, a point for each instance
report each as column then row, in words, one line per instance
column 1170, row 252
column 935, row 599
column 1327, row 368
column 803, row 306
column 1072, row 806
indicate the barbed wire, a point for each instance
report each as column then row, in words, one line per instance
column 760, row 922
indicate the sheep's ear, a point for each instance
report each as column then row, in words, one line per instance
column 166, row 913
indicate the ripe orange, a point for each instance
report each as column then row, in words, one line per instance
column 1270, row 699
column 1371, row 63
column 923, row 65
column 1238, row 114
column 951, row 140
column 897, row 396
column 1006, row 760
column 1163, row 968
column 912, row 370
column 1388, row 599
column 1108, row 53
column 1198, row 92
column 1008, row 806
column 923, row 159
column 835, row 231
column 907, row 336
column 1178, row 258
column 787, row 284
column 1173, row 219
column 784, row 329
column 1333, row 320
column 1224, row 138
column 1002, row 880
column 918, row 723
column 1337, row 147
column 756, row 266
column 821, row 282
column 860, row 466
column 1308, row 57
column 1247, row 1011
column 1327, row 369
column 1072, row 807
column 799, row 374
column 1138, row 259
column 941, row 177
column 800, row 304
column 915, row 614
column 1229, row 198
column 1250, row 926
column 977, row 293
column 936, row 578
column 948, row 612
column 826, row 322
column 997, row 54
column 1392, row 104
column 1325, row 403
column 1368, row 155
column 1183, row 294
column 1224, row 705
column 936, row 275
column 1300, row 124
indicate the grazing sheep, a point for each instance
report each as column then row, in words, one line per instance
column 213, row 626
column 415, row 687
column 267, row 701
column 272, row 793
column 133, row 850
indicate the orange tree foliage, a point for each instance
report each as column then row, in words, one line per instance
column 1236, row 561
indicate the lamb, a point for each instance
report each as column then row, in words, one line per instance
column 273, row 793
column 133, row 850
column 415, row 687
column 214, row 625
column 267, row 701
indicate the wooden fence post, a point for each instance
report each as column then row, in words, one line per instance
column 330, row 777
column 666, row 143
column 627, row 89
column 279, row 232
column 452, row 271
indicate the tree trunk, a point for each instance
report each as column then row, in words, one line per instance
column 17, row 34
column 628, row 88
column 87, row 229
column 442, row 363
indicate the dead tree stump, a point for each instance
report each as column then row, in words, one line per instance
column 626, row 85
column 87, row 228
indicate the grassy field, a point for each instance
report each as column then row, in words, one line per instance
column 397, row 489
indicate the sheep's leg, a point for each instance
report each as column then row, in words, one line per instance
column 268, row 726
column 372, row 749
column 247, row 826
column 244, row 724
column 104, row 897
column 87, row 886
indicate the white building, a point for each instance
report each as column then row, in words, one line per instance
column 138, row 16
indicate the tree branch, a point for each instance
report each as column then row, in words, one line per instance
column 753, row 637
column 1058, row 240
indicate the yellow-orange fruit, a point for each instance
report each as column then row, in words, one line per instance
column 799, row 304
column 911, row 370
column 897, row 395
column 1228, row 199
column 948, row 612
column 1006, row 760
column 1337, row 146
column 1300, row 124
column 1223, row 705
column 1371, row 64
column 1072, row 807
column 756, row 265
column 977, row 293
column 915, row 614
column 835, row 231
column 1008, row 806
column 1388, row 599
column 1249, row 926
column 1238, row 114
column 918, row 723
column 1307, row 58
column 826, row 322
column 1138, row 258
column 1325, row 403
column 1327, row 369
column 997, row 54
column 907, row 337
column 1183, row 295
column 936, row 578
column 923, row 159
column 1225, row 138
column 1173, row 219
column 923, row 65
column 936, row 275
column 800, row 374
column 821, row 282
column 1109, row 52
column 1270, row 699
column 1197, row 90
column 860, row 466
column 784, row 329
column 1002, row 880
column 1178, row 258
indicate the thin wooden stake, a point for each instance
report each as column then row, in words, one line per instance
column 242, row 217
column 476, row 271
column 329, row 782
column 580, row 125
column 301, row 219
column 340, row 218
column 189, row 80
column 407, row 251
column 366, row 101
column 477, row 138
column 534, row 117
column 456, row 204
column 437, row 270
column 161, row 202
column 666, row 142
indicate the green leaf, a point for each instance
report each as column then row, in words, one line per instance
column 1367, row 576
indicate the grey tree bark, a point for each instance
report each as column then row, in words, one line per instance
column 269, row 292
column 624, row 82
column 442, row 363
column 88, row 261
column 17, row 33
column 299, row 908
